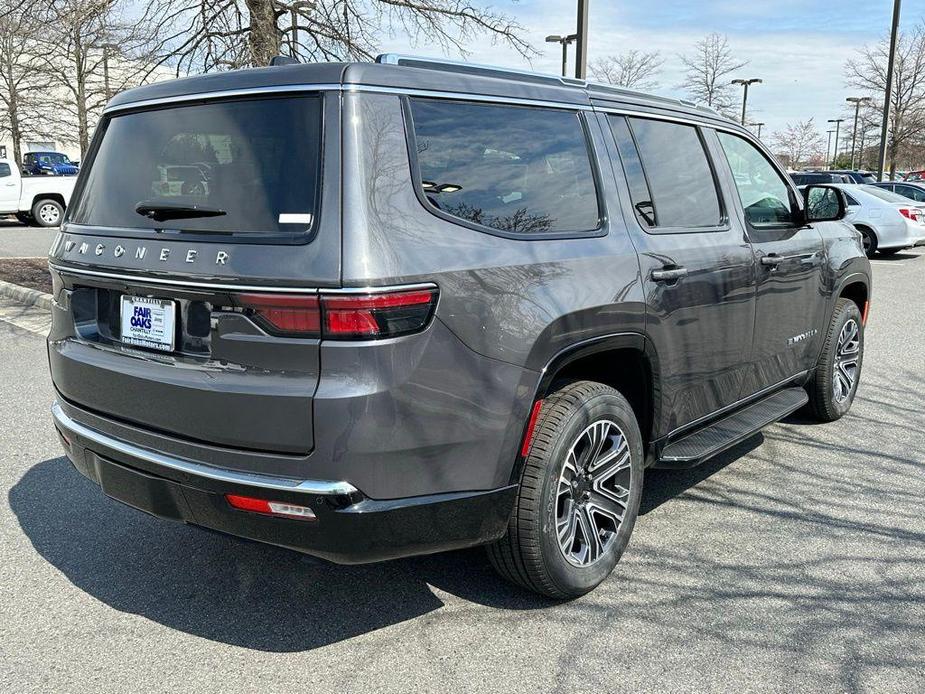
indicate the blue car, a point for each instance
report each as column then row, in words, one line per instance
column 48, row 164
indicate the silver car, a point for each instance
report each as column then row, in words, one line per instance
column 887, row 221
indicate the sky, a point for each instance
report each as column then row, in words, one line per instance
column 798, row 47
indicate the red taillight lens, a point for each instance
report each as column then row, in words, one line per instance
column 271, row 508
column 292, row 314
column 377, row 315
column 909, row 214
column 343, row 316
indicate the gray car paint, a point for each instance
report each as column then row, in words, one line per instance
column 444, row 410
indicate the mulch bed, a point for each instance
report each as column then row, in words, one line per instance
column 27, row 272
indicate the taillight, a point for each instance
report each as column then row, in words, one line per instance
column 343, row 316
column 908, row 213
column 292, row 314
column 377, row 315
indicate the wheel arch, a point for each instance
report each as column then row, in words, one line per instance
column 57, row 197
column 625, row 361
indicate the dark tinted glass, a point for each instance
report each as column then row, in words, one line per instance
column 635, row 177
column 5, row 170
column 256, row 160
column 678, row 173
column 522, row 170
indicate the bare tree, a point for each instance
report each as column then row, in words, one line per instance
column 207, row 35
column 87, row 62
column 708, row 69
column 798, row 143
column 22, row 86
column 907, row 98
column 632, row 69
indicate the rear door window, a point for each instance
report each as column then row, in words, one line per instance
column 252, row 165
column 670, row 178
column 515, row 169
column 5, row 170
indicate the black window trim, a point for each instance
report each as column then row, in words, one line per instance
column 237, row 238
column 411, row 142
column 724, row 224
column 795, row 196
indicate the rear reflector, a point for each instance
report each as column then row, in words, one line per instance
column 343, row 316
column 531, row 425
column 271, row 508
column 864, row 314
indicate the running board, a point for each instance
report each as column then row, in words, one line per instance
column 704, row 443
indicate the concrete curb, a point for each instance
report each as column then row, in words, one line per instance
column 26, row 296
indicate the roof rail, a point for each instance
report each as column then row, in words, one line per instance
column 476, row 69
column 527, row 76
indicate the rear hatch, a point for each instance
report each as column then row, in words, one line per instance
column 187, row 218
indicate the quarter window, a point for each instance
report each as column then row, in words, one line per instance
column 764, row 194
column 5, row 170
column 670, row 178
column 514, row 169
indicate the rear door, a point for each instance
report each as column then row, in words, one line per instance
column 791, row 293
column 189, row 264
column 697, row 267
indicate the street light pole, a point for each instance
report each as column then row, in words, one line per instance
column 838, row 122
column 857, row 101
column 888, row 91
column 581, row 50
column 294, row 14
column 759, row 126
column 565, row 41
column 828, row 148
column 745, row 84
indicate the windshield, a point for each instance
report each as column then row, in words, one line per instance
column 883, row 194
column 256, row 161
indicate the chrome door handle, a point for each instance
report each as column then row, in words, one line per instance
column 772, row 260
column 669, row 275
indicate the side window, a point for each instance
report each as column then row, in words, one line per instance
column 850, row 200
column 5, row 170
column 668, row 172
column 916, row 194
column 764, row 194
column 512, row 168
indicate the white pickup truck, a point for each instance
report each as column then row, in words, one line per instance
column 37, row 200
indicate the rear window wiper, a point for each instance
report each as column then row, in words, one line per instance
column 162, row 211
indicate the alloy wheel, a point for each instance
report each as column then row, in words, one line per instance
column 593, row 492
column 49, row 214
column 847, row 356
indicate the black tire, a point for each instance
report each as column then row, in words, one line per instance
column 870, row 241
column 25, row 218
column 48, row 212
column 529, row 554
column 889, row 251
column 829, row 400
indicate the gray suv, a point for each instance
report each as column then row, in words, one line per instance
column 367, row 311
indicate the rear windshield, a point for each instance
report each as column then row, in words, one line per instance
column 252, row 166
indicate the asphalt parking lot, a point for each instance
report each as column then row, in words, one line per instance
column 19, row 241
column 795, row 562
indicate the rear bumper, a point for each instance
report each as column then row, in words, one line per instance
column 349, row 528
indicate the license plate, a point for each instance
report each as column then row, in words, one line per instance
column 148, row 322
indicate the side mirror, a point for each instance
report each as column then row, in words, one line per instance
column 823, row 204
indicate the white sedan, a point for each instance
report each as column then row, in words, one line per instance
column 887, row 221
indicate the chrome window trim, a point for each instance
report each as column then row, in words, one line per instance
column 198, row 469
column 193, row 284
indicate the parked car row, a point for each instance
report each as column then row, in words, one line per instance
column 890, row 215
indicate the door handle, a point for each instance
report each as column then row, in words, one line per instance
column 772, row 261
column 669, row 275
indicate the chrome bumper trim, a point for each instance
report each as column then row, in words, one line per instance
column 325, row 487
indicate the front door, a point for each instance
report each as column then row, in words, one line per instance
column 697, row 268
column 791, row 294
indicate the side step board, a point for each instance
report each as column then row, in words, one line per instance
column 704, row 443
